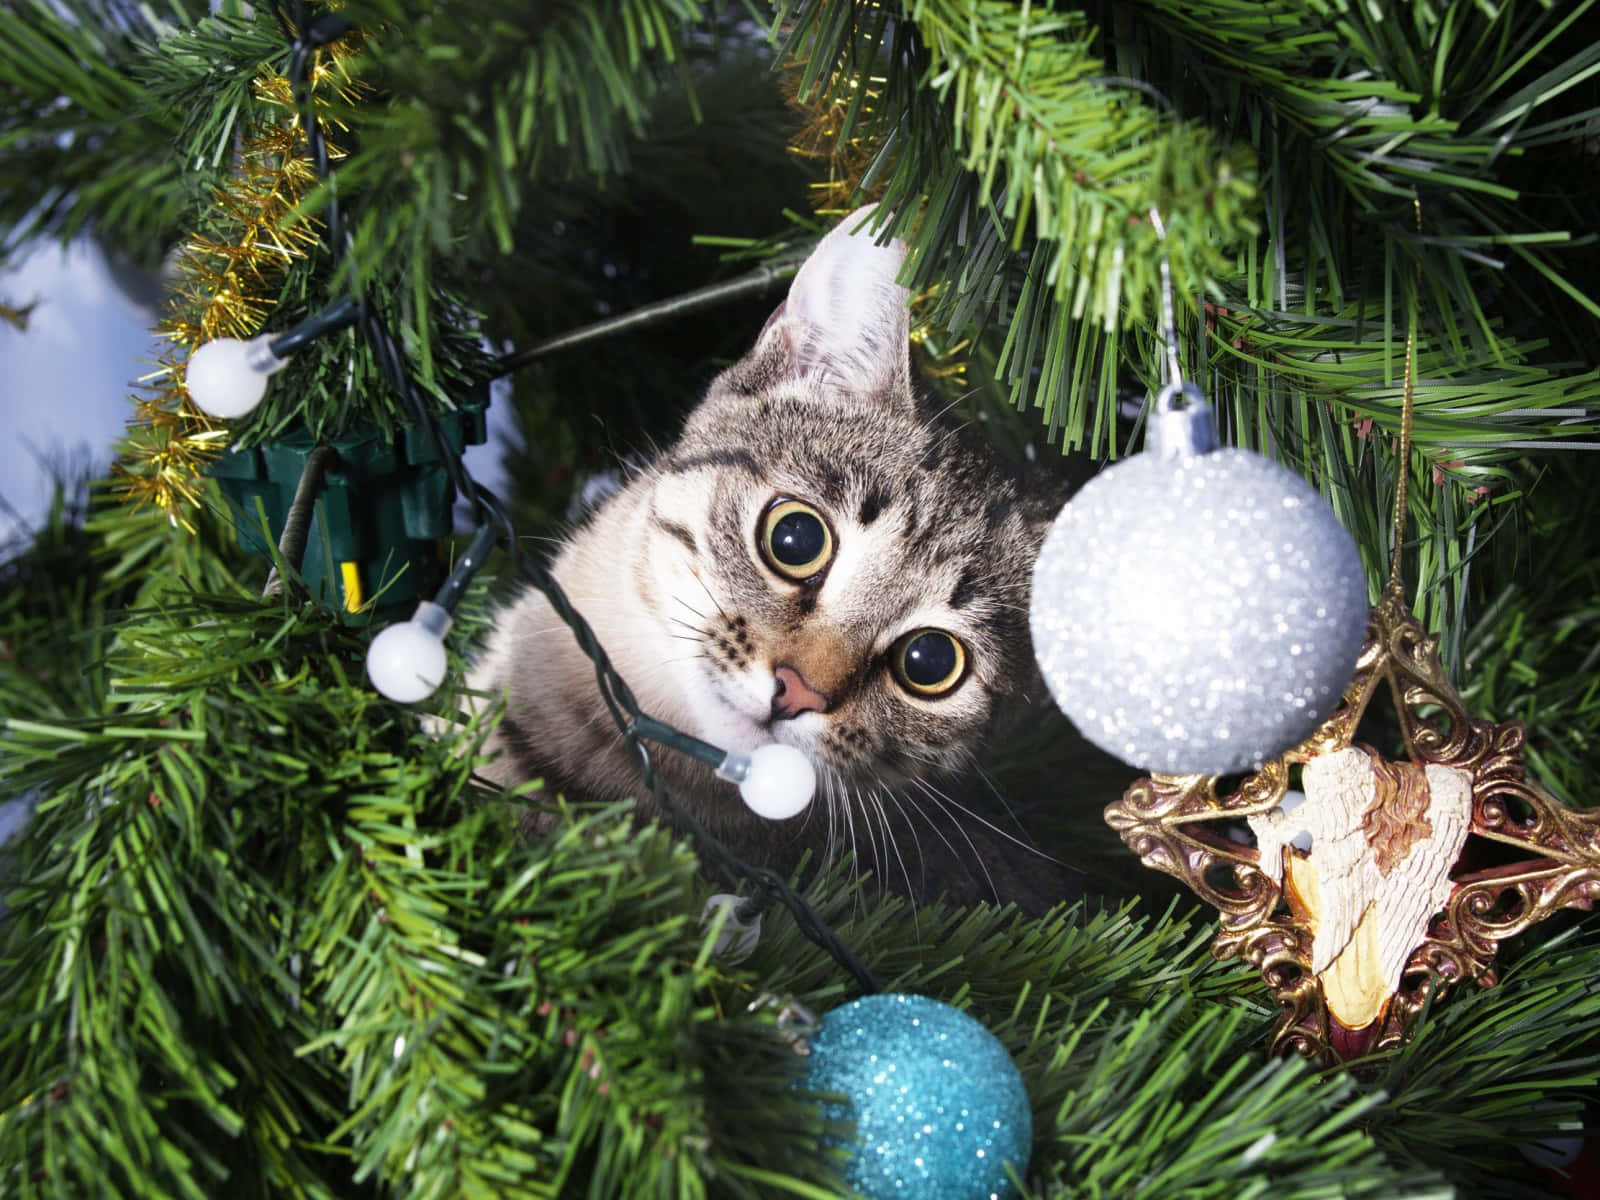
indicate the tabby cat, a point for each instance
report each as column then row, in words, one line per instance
column 819, row 561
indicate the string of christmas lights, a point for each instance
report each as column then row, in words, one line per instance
column 409, row 657
column 225, row 285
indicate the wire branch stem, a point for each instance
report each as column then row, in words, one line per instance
column 1169, row 320
column 751, row 286
column 297, row 524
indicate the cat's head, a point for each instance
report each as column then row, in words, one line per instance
column 847, row 573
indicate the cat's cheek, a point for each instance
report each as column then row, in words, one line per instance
column 749, row 692
column 712, row 715
column 849, row 749
column 936, row 734
column 806, row 733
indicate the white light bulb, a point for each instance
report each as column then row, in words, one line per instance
column 776, row 781
column 227, row 377
column 406, row 662
column 737, row 939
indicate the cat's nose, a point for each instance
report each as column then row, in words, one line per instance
column 793, row 695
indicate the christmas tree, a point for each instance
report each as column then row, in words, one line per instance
column 265, row 933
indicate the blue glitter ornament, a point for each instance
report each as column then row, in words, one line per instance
column 938, row 1105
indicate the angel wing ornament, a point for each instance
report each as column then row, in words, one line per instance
column 1384, row 837
column 1388, row 900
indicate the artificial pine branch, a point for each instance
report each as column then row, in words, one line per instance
column 526, row 91
column 83, row 147
column 1496, row 1068
column 470, row 1012
column 223, row 979
column 1446, row 101
column 992, row 126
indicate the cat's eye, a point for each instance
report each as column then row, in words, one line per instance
column 929, row 662
column 795, row 541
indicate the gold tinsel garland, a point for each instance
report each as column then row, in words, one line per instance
column 225, row 284
column 941, row 354
column 816, row 139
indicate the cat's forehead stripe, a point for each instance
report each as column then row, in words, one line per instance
column 966, row 587
column 741, row 460
column 872, row 504
column 673, row 529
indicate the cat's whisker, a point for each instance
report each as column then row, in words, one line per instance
column 917, row 810
column 844, row 844
column 873, row 814
column 944, row 802
column 891, row 845
column 972, row 763
column 949, row 431
column 916, row 842
column 826, row 795
column 710, row 595
column 930, row 760
column 936, row 417
column 817, row 811
column 876, row 796
column 1016, row 841
column 872, row 834
column 850, row 827
column 683, row 658
column 529, row 634
column 680, row 600
column 988, row 782
column 836, row 818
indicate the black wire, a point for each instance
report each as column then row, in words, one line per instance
column 753, row 285
column 489, row 512
column 330, row 320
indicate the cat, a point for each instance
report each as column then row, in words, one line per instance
column 817, row 560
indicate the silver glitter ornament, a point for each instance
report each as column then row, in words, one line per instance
column 1197, row 610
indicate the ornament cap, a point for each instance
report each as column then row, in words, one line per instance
column 1182, row 423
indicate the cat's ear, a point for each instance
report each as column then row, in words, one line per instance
column 846, row 318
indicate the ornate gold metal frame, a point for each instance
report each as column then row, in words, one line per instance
column 1174, row 824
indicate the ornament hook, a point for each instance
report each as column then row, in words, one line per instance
column 1169, row 322
column 1396, row 586
column 1182, row 423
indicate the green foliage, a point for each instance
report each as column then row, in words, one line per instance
column 156, row 855
column 1297, row 271
column 83, row 144
column 1494, row 1068
column 293, row 949
column 1416, row 172
column 327, row 958
column 1531, row 651
column 264, row 935
column 1457, row 105
column 482, row 103
column 995, row 126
